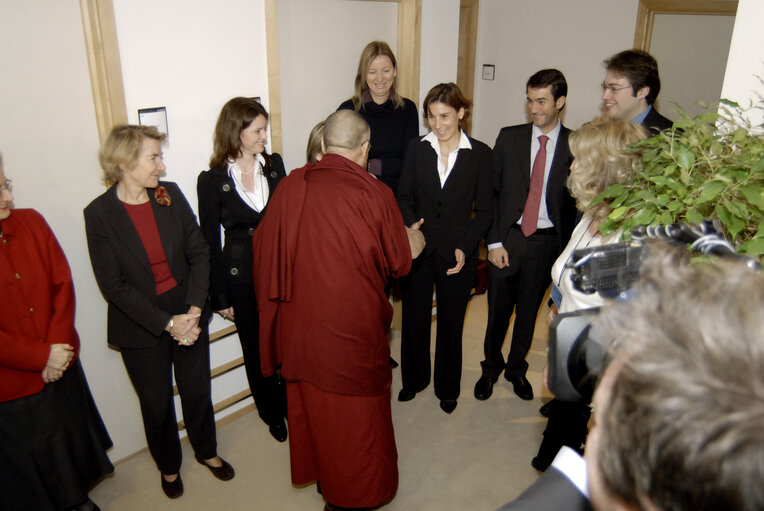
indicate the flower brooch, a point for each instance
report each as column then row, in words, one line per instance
column 162, row 196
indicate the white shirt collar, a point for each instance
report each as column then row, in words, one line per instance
column 464, row 141
column 553, row 134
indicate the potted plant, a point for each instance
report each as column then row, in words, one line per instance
column 707, row 167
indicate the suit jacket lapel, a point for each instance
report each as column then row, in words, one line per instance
column 165, row 225
column 524, row 156
column 558, row 171
column 460, row 170
column 430, row 164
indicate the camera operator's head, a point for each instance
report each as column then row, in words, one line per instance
column 600, row 160
column 678, row 418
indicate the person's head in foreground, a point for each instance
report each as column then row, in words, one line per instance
column 678, row 421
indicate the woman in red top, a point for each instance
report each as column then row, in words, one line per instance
column 52, row 440
column 152, row 265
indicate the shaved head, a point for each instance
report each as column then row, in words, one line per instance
column 345, row 129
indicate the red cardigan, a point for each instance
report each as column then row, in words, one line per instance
column 36, row 302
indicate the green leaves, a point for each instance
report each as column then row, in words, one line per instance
column 707, row 167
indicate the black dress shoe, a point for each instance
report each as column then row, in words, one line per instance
column 224, row 472
column 172, row 489
column 546, row 409
column 278, row 431
column 483, row 388
column 406, row 395
column 540, row 465
column 448, row 405
column 521, row 386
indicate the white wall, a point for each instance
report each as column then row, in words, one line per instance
column 520, row 38
column 319, row 45
column 191, row 57
column 439, row 46
column 743, row 80
column 50, row 143
column 686, row 78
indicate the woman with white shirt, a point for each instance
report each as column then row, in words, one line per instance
column 600, row 160
column 234, row 194
column 446, row 186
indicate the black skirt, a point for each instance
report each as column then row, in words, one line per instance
column 52, row 446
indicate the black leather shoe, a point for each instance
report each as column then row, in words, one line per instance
column 483, row 388
column 448, row 405
column 546, row 409
column 224, row 472
column 406, row 395
column 278, row 431
column 521, row 386
column 539, row 464
column 172, row 489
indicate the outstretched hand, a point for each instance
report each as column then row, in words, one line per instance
column 416, row 238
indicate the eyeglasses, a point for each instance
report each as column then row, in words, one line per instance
column 8, row 185
column 612, row 89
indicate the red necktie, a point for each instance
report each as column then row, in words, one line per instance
column 532, row 203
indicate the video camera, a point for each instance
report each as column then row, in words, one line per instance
column 576, row 348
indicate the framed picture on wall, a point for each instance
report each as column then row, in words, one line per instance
column 156, row 117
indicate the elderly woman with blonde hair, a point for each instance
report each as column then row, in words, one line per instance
column 152, row 265
column 601, row 159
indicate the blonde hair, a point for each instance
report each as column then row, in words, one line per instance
column 601, row 160
column 313, row 153
column 373, row 50
column 121, row 149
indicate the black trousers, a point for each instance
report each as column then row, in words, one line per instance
column 150, row 370
column 269, row 393
column 452, row 295
column 519, row 288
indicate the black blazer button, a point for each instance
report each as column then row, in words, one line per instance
column 234, row 271
column 251, row 231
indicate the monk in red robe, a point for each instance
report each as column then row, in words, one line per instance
column 331, row 237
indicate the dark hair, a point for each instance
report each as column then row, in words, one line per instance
column 549, row 78
column 235, row 116
column 639, row 68
column 449, row 94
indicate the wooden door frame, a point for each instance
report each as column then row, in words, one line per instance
column 647, row 10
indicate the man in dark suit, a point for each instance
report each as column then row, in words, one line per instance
column 561, row 487
column 533, row 220
column 631, row 87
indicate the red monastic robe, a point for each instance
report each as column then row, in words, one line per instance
column 331, row 237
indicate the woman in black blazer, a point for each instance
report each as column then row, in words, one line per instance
column 233, row 193
column 152, row 265
column 446, row 184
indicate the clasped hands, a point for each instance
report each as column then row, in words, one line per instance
column 59, row 358
column 184, row 328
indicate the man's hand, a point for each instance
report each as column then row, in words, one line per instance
column 416, row 238
column 553, row 311
column 460, row 257
column 499, row 257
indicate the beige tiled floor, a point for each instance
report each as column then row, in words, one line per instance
column 477, row 458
